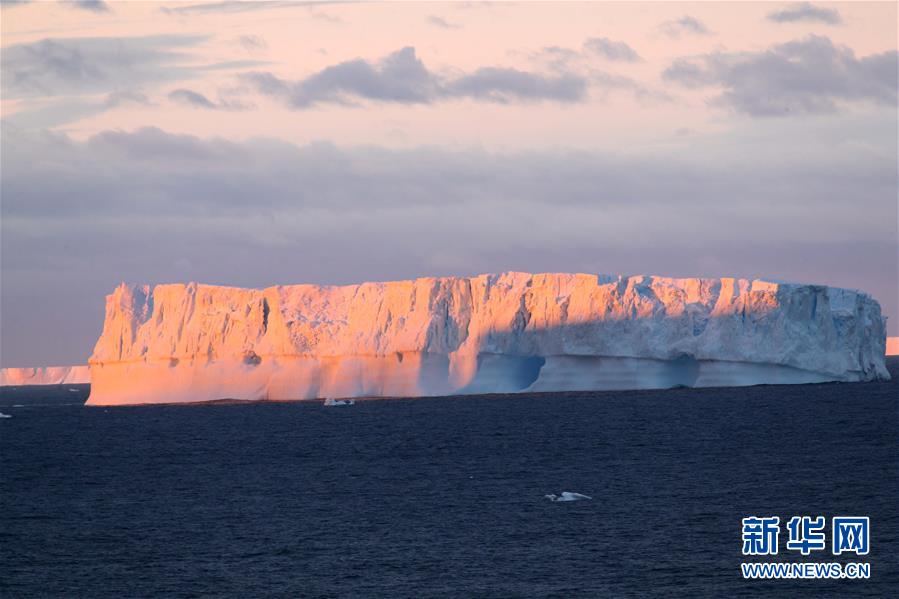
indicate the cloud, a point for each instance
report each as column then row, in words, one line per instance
column 191, row 98
column 606, row 82
column 147, row 205
column 556, row 58
column 56, row 75
column 323, row 16
column 504, row 85
column 611, row 50
column 57, row 112
column 97, row 6
column 580, row 63
column 56, row 67
column 122, row 98
column 812, row 75
column 402, row 77
column 252, row 43
column 685, row 25
column 441, row 22
column 187, row 97
column 241, row 6
column 806, row 12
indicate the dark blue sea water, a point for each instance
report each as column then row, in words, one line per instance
column 442, row 497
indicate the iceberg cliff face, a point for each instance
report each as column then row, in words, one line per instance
column 492, row 333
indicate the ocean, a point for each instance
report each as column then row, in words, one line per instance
column 442, row 497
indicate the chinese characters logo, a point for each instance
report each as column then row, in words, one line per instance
column 849, row 534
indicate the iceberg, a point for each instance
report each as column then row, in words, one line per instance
column 45, row 375
column 496, row 333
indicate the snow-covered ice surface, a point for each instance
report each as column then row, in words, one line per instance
column 508, row 332
column 45, row 375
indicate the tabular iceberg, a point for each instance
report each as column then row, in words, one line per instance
column 501, row 333
column 45, row 375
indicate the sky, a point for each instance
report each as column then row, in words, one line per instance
column 265, row 143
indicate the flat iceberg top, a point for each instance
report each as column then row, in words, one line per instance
column 812, row 327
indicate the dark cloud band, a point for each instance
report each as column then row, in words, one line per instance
column 147, row 205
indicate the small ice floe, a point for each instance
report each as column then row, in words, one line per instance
column 567, row 496
column 339, row 402
column 2, row 415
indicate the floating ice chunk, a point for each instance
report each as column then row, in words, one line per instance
column 567, row 496
column 2, row 415
column 339, row 402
